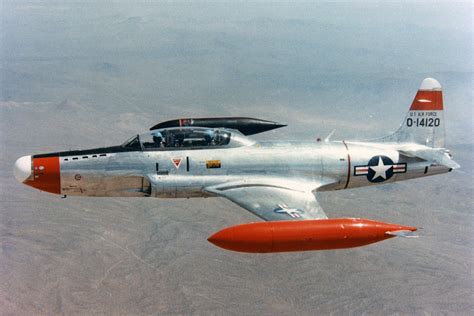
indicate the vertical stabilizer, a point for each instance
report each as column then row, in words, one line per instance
column 424, row 123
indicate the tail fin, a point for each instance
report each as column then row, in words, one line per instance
column 424, row 123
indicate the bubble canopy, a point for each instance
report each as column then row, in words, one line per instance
column 180, row 138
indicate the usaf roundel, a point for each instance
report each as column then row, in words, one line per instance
column 380, row 169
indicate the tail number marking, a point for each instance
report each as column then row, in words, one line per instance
column 423, row 122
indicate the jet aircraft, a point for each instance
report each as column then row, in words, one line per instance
column 276, row 181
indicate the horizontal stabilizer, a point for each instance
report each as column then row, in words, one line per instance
column 402, row 233
column 438, row 156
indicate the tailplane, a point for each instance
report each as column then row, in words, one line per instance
column 424, row 123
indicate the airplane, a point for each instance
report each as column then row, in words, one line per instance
column 275, row 180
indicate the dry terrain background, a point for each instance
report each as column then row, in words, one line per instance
column 82, row 74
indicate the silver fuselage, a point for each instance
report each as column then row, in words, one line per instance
column 158, row 174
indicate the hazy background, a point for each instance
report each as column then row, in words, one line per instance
column 82, row 74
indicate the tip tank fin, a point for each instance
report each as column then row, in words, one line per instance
column 402, row 233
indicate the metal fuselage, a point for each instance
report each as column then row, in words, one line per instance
column 185, row 173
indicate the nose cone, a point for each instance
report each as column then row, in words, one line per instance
column 42, row 172
column 22, row 169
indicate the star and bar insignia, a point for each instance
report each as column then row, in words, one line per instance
column 292, row 212
column 379, row 169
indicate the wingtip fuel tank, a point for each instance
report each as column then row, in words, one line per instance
column 246, row 125
column 321, row 234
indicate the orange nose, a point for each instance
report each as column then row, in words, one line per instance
column 46, row 174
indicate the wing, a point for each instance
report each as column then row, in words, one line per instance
column 272, row 201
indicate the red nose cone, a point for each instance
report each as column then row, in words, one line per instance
column 46, row 175
column 324, row 234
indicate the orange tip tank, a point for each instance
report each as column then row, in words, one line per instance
column 322, row 234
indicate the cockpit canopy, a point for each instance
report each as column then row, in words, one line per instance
column 180, row 138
